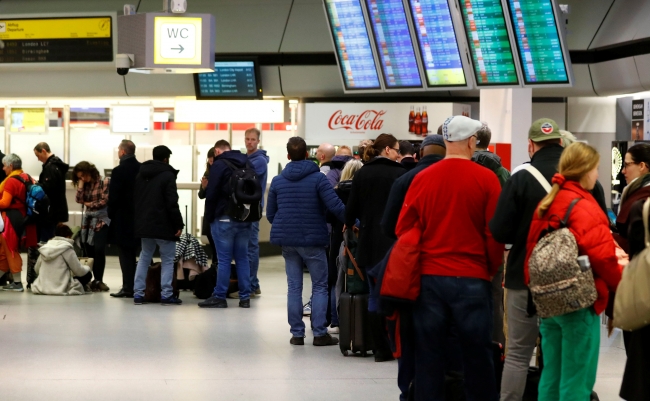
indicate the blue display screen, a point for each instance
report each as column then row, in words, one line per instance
column 352, row 42
column 394, row 44
column 232, row 79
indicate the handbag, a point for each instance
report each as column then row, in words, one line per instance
column 632, row 302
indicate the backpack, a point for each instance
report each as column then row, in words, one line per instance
column 245, row 199
column 37, row 202
column 558, row 284
column 355, row 279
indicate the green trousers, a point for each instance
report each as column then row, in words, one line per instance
column 570, row 345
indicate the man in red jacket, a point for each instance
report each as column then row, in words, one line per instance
column 453, row 201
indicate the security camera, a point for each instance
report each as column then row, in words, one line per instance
column 124, row 62
column 178, row 6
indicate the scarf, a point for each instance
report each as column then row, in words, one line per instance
column 12, row 174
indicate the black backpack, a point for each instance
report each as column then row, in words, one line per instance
column 36, row 201
column 245, row 199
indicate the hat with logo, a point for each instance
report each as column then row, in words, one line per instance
column 460, row 128
column 544, row 129
column 434, row 139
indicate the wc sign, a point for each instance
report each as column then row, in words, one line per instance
column 177, row 40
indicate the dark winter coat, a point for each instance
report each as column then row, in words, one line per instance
column 157, row 214
column 121, row 201
column 370, row 190
column 409, row 163
column 492, row 161
column 52, row 180
column 297, row 204
column 218, row 189
column 260, row 162
column 336, row 168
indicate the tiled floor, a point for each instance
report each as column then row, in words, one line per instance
column 96, row 348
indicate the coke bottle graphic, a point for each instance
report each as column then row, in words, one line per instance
column 425, row 121
column 412, row 120
column 418, row 122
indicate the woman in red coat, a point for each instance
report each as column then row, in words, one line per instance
column 571, row 342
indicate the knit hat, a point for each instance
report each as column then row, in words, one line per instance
column 459, row 128
column 544, row 129
column 434, row 139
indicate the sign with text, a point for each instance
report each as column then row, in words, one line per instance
column 176, row 40
column 640, row 120
column 28, row 120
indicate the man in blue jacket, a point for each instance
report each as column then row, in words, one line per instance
column 260, row 161
column 297, row 203
column 230, row 236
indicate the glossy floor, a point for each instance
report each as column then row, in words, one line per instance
column 94, row 347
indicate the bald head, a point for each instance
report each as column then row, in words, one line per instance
column 325, row 153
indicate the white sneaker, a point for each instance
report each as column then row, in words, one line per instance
column 306, row 309
column 333, row 330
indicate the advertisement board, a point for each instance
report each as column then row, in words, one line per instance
column 640, row 120
column 28, row 120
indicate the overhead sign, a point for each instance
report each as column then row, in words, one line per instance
column 640, row 120
column 176, row 40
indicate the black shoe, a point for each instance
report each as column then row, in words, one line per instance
column 384, row 356
column 325, row 340
column 246, row 303
column 139, row 301
column 213, row 302
column 170, row 301
column 297, row 340
column 122, row 294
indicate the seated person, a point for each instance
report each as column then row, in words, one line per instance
column 58, row 267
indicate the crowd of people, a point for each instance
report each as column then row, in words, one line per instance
column 473, row 227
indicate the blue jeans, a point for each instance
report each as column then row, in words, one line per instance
column 167, row 254
column 316, row 260
column 254, row 254
column 465, row 304
column 231, row 239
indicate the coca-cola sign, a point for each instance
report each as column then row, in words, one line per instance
column 364, row 121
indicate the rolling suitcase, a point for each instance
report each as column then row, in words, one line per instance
column 354, row 333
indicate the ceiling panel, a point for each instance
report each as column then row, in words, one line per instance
column 584, row 20
column 622, row 22
column 307, row 29
column 616, row 77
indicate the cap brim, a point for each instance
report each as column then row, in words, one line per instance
column 546, row 138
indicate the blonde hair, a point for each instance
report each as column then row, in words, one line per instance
column 577, row 160
column 350, row 169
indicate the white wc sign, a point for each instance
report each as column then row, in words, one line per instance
column 177, row 40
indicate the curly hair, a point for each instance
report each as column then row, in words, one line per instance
column 84, row 168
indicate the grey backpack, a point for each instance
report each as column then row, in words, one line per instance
column 558, row 284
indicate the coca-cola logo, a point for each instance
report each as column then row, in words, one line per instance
column 367, row 120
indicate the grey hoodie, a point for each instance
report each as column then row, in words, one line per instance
column 56, row 268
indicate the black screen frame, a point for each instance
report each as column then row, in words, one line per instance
column 258, row 80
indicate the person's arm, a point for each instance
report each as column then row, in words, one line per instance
column 494, row 249
column 214, row 182
column 635, row 228
column 114, row 193
column 79, row 196
column 409, row 215
column 393, row 208
column 330, row 199
column 51, row 176
column 272, row 203
column 170, row 192
column 596, row 241
column 6, row 199
column 103, row 199
column 203, row 188
column 503, row 225
column 71, row 259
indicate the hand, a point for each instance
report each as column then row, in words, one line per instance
column 80, row 185
column 204, row 182
column 345, row 228
column 178, row 233
column 87, row 204
column 610, row 327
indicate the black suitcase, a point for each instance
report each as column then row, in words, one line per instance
column 354, row 332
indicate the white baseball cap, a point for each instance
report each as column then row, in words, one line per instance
column 460, row 128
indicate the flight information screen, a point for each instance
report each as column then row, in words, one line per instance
column 489, row 42
column 394, row 44
column 230, row 79
column 352, row 42
column 538, row 41
column 438, row 44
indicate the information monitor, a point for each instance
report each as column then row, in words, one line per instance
column 351, row 39
column 231, row 79
column 541, row 52
column 489, row 43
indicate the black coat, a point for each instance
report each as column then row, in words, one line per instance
column 370, row 190
column 157, row 214
column 52, row 180
column 121, row 207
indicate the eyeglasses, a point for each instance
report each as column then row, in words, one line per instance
column 396, row 150
column 627, row 165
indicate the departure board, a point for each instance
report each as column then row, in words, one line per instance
column 230, row 80
column 394, row 44
column 352, row 43
column 540, row 50
column 54, row 40
column 438, row 44
column 489, row 42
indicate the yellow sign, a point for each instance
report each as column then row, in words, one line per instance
column 55, row 28
column 28, row 120
column 177, row 40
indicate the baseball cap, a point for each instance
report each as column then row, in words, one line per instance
column 544, row 129
column 459, row 128
column 434, row 139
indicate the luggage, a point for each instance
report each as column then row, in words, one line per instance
column 206, row 281
column 153, row 288
column 355, row 278
column 354, row 332
column 245, row 200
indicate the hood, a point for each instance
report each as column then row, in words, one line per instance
column 233, row 156
column 55, row 247
column 487, row 159
column 345, row 186
column 152, row 168
column 259, row 154
column 295, row 171
column 59, row 164
column 338, row 162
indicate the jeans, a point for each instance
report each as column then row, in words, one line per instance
column 231, row 239
column 97, row 251
column 522, row 339
column 167, row 254
column 465, row 304
column 316, row 260
column 497, row 299
column 254, row 254
column 127, row 258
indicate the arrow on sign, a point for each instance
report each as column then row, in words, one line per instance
column 180, row 48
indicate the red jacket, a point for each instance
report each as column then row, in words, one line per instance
column 590, row 227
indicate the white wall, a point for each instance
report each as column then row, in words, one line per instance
column 555, row 111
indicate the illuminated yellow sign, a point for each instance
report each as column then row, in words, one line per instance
column 177, row 40
column 55, row 28
column 28, row 120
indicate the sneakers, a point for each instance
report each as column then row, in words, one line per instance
column 213, row 302
column 245, row 303
column 333, row 330
column 139, row 300
column 170, row 301
column 325, row 340
column 16, row 287
column 297, row 341
column 257, row 292
column 233, row 295
column 306, row 309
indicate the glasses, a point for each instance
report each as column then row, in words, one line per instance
column 628, row 164
column 396, row 150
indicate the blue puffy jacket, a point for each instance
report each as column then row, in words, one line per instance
column 260, row 162
column 297, row 204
